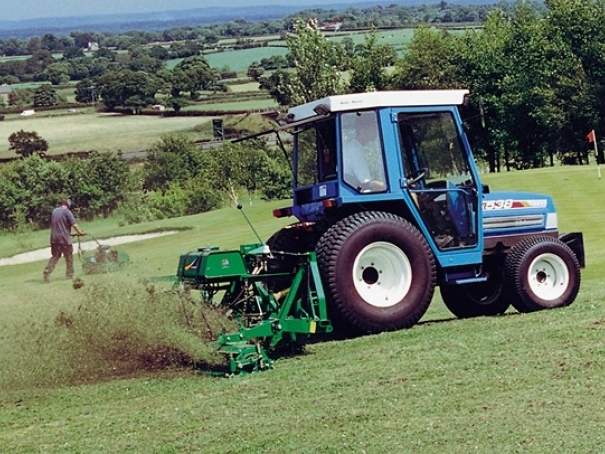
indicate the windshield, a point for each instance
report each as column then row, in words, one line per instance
column 438, row 176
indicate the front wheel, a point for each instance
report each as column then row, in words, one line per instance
column 378, row 270
column 541, row 273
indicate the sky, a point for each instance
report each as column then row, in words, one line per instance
column 34, row 9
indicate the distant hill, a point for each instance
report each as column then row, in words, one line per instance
column 118, row 23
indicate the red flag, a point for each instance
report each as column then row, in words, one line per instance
column 590, row 136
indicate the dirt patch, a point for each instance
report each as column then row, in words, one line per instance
column 44, row 253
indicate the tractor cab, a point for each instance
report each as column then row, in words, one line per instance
column 404, row 152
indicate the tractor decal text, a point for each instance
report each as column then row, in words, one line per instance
column 511, row 204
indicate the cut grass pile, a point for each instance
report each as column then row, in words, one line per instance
column 116, row 324
column 117, row 327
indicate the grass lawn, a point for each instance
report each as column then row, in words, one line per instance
column 243, row 88
column 237, row 60
column 252, row 105
column 528, row 383
column 99, row 132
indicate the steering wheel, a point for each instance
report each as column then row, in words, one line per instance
column 420, row 174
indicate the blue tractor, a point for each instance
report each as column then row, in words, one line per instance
column 388, row 205
column 388, row 195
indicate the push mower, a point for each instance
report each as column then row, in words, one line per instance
column 103, row 260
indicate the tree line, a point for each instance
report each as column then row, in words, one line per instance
column 393, row 15
column 536, row 77
column 177, row 179
column 41, row 64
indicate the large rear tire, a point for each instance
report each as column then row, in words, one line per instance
column 378, row 271
column 541, row 273
column 285, row 245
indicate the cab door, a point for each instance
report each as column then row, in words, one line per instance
column 439, row 178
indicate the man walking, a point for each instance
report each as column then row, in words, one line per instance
column 62, row 221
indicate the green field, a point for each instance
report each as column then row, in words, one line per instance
column 251, row 105
column 398, row 38
column 100, row 132
column 237, row 60
column 512, row 384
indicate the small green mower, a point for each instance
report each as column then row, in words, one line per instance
column 103, row 260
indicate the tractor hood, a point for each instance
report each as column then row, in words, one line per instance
column 507, row 212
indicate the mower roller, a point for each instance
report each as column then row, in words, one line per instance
column 103, row 260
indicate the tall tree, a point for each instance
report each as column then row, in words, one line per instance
column 578, row 24
column 317, row 63
column 27, row 143
column 192, row 75
column 172, row 159
column 45, row 95
column 369, row 65
column 278, row 86
column 129, row 89
column 430, row 62
column 58, row 73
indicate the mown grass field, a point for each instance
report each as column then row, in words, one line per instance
column 86, row 131
column 513, row 384
column 251, row 106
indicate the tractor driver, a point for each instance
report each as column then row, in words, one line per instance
column 362, row 152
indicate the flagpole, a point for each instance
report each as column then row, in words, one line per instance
column 592, row 137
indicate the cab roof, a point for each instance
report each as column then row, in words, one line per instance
column 359, row 101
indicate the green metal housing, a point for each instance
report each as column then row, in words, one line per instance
column 272, row 309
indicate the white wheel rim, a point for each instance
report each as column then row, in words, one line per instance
column 548, row 277
column 382, row 274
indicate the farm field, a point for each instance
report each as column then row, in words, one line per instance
column 398, row 38
column 240, row 60
column 527, row 383
column 251, row 105
column 99, row 132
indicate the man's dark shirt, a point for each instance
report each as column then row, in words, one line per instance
column 61, row 222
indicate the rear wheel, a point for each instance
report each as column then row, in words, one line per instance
column 378, row 270
column 285, row 245
column 541, row 273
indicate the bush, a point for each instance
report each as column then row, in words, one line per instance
column 191, row 198
column 201, row 197
column 134, row 209
column 169, row 204
column 277, row 184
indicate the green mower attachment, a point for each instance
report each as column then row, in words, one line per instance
column 273, row 309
